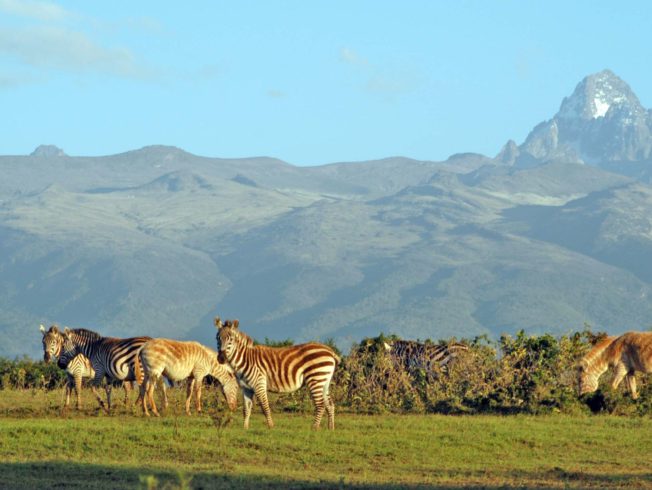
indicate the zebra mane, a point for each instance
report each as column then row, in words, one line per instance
column 87, row 334
column 598, row 353
column 248, row 340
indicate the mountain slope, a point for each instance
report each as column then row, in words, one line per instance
column 547, row 236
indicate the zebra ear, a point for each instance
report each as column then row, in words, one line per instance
column 54, row 329
column 236, row 323
column 66, row 332
column 42, row 329
column 218, row 322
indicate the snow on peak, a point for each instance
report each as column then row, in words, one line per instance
column 595, row 95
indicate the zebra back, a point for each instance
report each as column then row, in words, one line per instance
column 111, row 357
column 412, row 355
column 285, row 369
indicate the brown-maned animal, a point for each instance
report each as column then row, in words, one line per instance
column 626, row 355
column 260, row 368
column 176, row 361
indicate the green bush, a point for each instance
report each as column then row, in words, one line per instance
column 26, row 373
column 514, row 374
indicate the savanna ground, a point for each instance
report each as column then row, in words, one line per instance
column 41, row 447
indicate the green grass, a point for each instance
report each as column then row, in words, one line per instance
column 42, row 448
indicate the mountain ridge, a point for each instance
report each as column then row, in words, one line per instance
column 156, row 241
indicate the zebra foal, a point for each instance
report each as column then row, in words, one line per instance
column 277, row 369
column 176, row 361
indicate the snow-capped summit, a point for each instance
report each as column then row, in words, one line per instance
column 601, row 122
column 596, row 94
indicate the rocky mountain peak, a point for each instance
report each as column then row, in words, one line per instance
column 596, row 94
column 601, row 122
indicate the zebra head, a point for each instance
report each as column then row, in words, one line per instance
column 68, row 347
column 588, row 377
column 230, row 340
column 229, row 384
column 52, row 342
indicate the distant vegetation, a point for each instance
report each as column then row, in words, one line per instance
column 521, row 374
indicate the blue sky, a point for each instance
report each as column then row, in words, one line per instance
column 306, row 82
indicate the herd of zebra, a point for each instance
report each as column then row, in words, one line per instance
column 240, row 365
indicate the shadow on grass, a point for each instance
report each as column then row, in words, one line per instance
column 61, row 474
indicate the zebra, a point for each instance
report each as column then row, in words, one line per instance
column 260, row 368
column 627, row 354
column 414, row 356
column 77, row 367
column 112, row 358
column 177, row 360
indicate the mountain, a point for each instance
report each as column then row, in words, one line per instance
column 548, row 235
column 602, row 122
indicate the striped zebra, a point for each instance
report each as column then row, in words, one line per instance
column 176, row 361
column 414, row 356
column 260, row 368
column 77, row 367
column 112, row 358
column 627, row 354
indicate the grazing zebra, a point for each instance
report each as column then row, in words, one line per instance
column 77, row 366
column 112, row 358
column 627, row 354
column 176, row 361
column 277, row 369
column 413, row 356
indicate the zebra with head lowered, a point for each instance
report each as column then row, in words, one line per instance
column 413, row 356
column 111, row 358
column 260, row 368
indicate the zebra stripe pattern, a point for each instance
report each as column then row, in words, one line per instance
column 414, row 356
column 626, row 354
column 77, row 367
column 277, row 369
column 112, row 358
column 176, row 361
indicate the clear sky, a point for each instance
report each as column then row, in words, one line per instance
column 304, row 81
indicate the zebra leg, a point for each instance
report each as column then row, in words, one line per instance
column 248, row 399
column 330, row 408
column 317, row 393
column 630, row 380
column 261, row 394
column 619, row 374
column 69, row 383
column 78, row 388
column 108, row 388
column 151, row 384
column 142, row 397
column 94, row 384
column 127, row 386
column 198, row 395
column 165, row 394
column 189, row 389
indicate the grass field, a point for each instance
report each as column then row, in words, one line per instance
column 42, row 448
